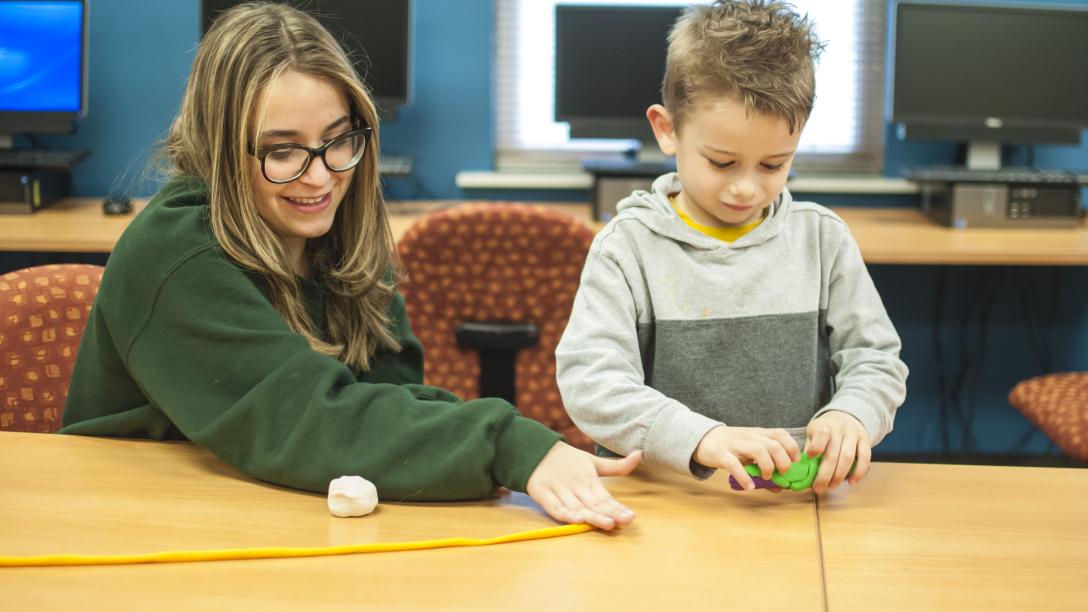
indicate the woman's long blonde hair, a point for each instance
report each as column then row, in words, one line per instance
column 246, row 48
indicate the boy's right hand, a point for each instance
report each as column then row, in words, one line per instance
column 730, row 448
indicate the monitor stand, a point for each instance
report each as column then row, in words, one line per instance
column 982, row 155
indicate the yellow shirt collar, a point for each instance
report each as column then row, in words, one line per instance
column 725, row 234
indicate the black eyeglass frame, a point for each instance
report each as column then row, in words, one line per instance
column 261, row 152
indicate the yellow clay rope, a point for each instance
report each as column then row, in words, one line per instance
column 189, row 556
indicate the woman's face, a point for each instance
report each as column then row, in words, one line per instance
column 305, row 110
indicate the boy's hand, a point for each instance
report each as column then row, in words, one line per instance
column 567, row 484
column 841, row 439
column 730, row 448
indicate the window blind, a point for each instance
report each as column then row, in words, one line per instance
column 845, row 131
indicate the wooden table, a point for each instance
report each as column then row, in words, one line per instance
column 73, row 225
column 885, row 235
column 953, row 537
column 906, row 236
column 694, row 545
column 910, row 537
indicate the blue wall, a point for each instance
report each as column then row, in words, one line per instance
column 899, row 154
column 448, row 127
column 999, row 325
column 141, row 52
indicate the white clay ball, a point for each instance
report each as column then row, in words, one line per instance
column 352, row 496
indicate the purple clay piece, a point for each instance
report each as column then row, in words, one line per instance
column 759, row 482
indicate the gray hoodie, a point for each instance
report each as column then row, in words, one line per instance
column 674, row 332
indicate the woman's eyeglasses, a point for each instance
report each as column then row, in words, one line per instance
column 283, row 163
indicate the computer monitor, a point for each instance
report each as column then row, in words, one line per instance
column 988, row 74
column 377, row 34
column 43, row 66
column 609, row 65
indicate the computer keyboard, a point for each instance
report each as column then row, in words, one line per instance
column 955, row 174
column 33, row 159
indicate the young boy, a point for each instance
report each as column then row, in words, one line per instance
column 719, row 323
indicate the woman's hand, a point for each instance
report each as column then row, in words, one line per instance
column 568, row 486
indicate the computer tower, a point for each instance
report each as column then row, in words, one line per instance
column 28, row 191
column 1006, row 205
column 615, row 180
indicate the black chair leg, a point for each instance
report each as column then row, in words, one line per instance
column 498, row 343
column 497, row 374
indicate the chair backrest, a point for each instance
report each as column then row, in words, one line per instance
column 496, row 262
column 1057, row 404
column 43, row 311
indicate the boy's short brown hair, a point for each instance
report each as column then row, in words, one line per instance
column 760, row 51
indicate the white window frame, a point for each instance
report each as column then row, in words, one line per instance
column 528, row 139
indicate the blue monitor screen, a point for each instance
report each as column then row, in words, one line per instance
column 41, row 49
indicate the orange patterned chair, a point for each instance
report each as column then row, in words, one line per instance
column 478, row 265
column 43, row 311
column 1058, row 405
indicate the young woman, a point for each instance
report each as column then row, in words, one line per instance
column 252, row 307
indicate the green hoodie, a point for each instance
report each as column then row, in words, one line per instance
column 184, row 344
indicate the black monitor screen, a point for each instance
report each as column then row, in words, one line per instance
column 609, row 63
column 375, row 33
column 1003, row 73
column 42, row 65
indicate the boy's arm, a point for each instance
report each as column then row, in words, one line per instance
column 602, row 381
column 870, row 379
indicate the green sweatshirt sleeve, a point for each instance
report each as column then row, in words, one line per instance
column 211, row 354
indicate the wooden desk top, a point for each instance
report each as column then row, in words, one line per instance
column 953, row 537
column 73, row 225
column 885, row 235
column 693, row 544
column 906, row 236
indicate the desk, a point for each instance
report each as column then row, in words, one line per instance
column 73, row 225
column 917, row 537
column 953, row 537
column 906, row 236
column 693, row 544
column 885, row 235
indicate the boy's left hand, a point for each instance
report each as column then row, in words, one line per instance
column 841, row 439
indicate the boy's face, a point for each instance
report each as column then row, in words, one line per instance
column 732, row 164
